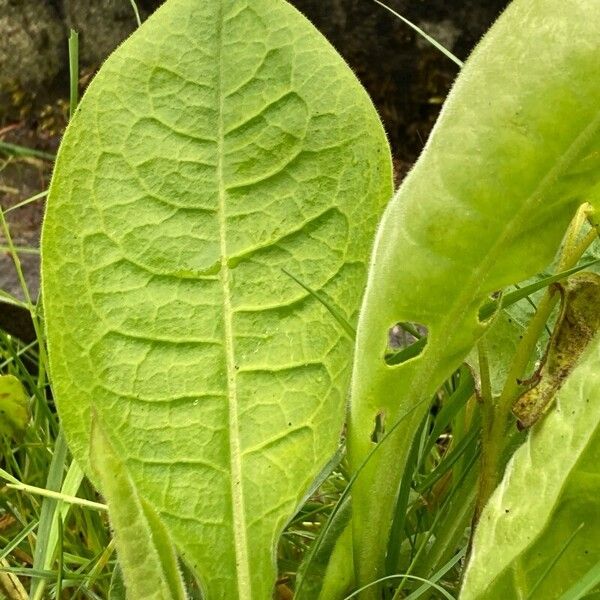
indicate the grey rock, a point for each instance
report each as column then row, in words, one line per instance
column 102, row 25
column 32, row 44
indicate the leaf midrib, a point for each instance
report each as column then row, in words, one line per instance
column 239, row 533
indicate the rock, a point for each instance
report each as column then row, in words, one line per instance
column 32, row 45
column 102, row 25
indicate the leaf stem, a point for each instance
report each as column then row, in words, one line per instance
column 484, row 373
column 488, row 410
column 498, row 420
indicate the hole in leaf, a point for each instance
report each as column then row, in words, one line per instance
column 379, row 429
column 405, row 341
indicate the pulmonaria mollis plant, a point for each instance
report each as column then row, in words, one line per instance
column 222, row 145
column 206, row 249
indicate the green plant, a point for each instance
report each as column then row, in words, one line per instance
column 205, row 250
column 486, row 206
column 242, row 147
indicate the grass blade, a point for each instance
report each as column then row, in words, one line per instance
column 432, row 584
column 27, row 201
column 438, row 575
column 551, row 564
column 586, row 584
column 73, row 72
column 136, row 12
column 49, row 506
column 488, row 309
column 424, row 35
column 18, row 539
column 335, row 313
column 24, row 152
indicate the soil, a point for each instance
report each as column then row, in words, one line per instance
column 406, row 77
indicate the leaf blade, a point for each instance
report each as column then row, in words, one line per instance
column 527, row 529
column 190, row 188
column 14, row 406
column 146, row 555
column 485, row 206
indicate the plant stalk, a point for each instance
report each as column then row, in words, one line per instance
column 498, row 420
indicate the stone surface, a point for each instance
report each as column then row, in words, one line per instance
column 102, row 26
column 32, row 45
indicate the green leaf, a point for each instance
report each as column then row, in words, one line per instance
column 117, row 585
column 146, row 555
column 501, row 341
column 14, row 406
column 550, row 489
column 318, row 575
column 514, row 154
column 224, row 142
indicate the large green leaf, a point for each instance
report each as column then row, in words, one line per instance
column 224, row 143
column 515, row 152
column 529, row 542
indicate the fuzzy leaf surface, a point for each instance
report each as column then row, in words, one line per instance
column 146, row 555
column 515, row 152
column 223, row 143
column 550, row 489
